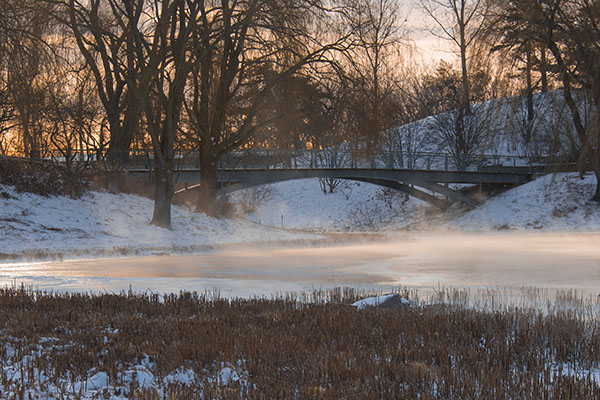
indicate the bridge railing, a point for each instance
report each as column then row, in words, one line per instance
column 340, row 159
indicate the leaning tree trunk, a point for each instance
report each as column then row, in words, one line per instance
column 596, row 168
column 597, row 194
column 163, row 196
column 587, row 145
column 207, row 198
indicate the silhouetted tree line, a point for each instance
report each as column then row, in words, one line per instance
column 84, row 80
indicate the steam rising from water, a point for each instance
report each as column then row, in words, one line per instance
column 423, row 262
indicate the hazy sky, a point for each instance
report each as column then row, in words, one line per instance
column 430, row 48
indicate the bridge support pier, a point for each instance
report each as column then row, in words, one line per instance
column 449, row 193
column 411, row 191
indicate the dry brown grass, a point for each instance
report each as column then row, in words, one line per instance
column 45, row 178
column 287, row 348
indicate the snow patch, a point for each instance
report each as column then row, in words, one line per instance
column 227, row 376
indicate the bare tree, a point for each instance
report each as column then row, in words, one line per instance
column 577, row 58
column 246, row 49
column 462, row 23
column 12, row 30
column 29, row 60
column 571, row 31
column 163, row 55
column 462, row 135
column 519, row 43
column 333, row 156
column 378, row 35
column 104, row 34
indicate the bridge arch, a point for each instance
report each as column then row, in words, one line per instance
column 235, row 180
column 410, row 190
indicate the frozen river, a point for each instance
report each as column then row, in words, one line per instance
column 424, row 262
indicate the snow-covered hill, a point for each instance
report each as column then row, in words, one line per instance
column 552, row 202
column 498, row 127
column 353, row 206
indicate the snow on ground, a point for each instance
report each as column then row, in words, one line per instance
column 553, row 202
column 101, row 221
column 24, row 377
column 301, row 204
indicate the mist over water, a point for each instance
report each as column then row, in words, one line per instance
column 424, row 262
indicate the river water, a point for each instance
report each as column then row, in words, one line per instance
column 423, row 262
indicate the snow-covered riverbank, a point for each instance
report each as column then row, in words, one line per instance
column 101, row 223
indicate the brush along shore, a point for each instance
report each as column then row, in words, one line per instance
column 188, row 345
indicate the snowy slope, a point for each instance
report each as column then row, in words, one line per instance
column 552, row 202
column 301, row 204
column 101, row 221
column 505, row 125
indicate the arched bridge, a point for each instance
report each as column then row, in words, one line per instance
column 404, row 180
column 424, row 176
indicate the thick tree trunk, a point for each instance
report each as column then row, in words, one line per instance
column 121, row 136
column 31, row 148
column 163, row 195
column 207, row 198
column 119, row 148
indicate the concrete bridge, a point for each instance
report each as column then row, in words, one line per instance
column 407, row 181
column 424, row 176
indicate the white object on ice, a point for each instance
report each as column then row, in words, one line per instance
column 377, row 300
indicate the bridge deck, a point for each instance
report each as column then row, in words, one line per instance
column 258, row 176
